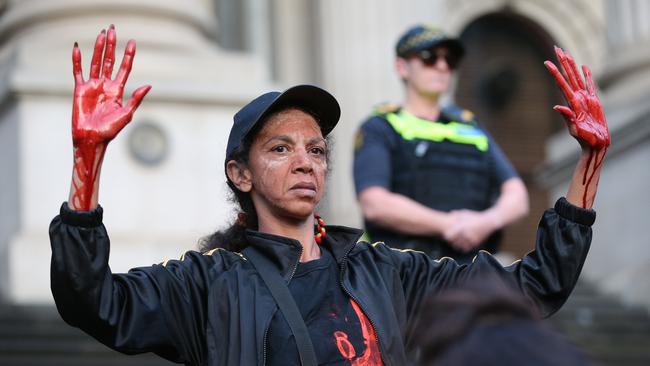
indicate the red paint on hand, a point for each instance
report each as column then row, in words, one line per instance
column 87, row 159
column 584, row 115
column 586, row 181
column 97, row 112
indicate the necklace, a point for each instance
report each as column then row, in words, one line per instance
column 319, row 230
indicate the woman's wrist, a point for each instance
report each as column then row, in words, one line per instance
column 88, row 157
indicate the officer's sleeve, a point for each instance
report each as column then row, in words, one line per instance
column 546, row 275
column 502, row 168
column 372, row 152
column 157, row 309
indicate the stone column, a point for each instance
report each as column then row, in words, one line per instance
column 163, row 184
column 296, row 57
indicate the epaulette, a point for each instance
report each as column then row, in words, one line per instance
column 164, row 263
column 212, row 251
column 385, row 108
column 458, row 114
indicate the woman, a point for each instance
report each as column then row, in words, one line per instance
column 357, row 299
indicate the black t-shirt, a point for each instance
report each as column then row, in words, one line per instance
column 340, row 332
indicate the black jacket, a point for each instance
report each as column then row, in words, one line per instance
column 214, row 309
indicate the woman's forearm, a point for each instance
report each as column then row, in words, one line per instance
column 87, row 164
column 584, row 184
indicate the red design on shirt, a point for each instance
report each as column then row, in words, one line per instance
column 345, row 346
column 371, row 356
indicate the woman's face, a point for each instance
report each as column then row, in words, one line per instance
column 287, row 165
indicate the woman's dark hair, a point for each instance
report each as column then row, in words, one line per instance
column 233, row 238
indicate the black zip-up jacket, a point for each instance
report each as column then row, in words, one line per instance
column 213, row 308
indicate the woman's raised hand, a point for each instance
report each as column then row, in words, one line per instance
column 98, row 114
column 586, row 121
column 584, row 115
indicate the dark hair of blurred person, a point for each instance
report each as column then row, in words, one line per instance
column 485, row 323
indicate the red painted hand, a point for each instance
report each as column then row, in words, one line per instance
column 584, row 116
column 98, row 114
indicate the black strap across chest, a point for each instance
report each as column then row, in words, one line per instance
column 280, row 291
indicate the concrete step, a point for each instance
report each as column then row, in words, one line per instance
column 37, row 336
column 84, row 360
column 611, row 332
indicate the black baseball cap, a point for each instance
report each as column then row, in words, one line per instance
column 424, row 37
column 308, row 97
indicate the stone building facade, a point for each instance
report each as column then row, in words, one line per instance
column 163, row 184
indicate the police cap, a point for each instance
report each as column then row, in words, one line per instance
column 423, row 37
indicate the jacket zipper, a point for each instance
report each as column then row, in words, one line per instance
column 343, row 264
column 266, row 331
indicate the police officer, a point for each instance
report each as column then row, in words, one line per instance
column 431, row 178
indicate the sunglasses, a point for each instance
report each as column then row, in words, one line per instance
column 431, row 57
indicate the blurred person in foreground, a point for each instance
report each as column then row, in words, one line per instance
column 429, row 177
column 219, row 306
column 486, row 323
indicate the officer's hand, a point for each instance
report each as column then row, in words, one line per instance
column 453, row 229
column 584, row 115
column 470, row 230
column 456, row 233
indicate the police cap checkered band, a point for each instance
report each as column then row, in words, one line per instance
column 422, row 37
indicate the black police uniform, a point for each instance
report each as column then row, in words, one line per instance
column 446, row 165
